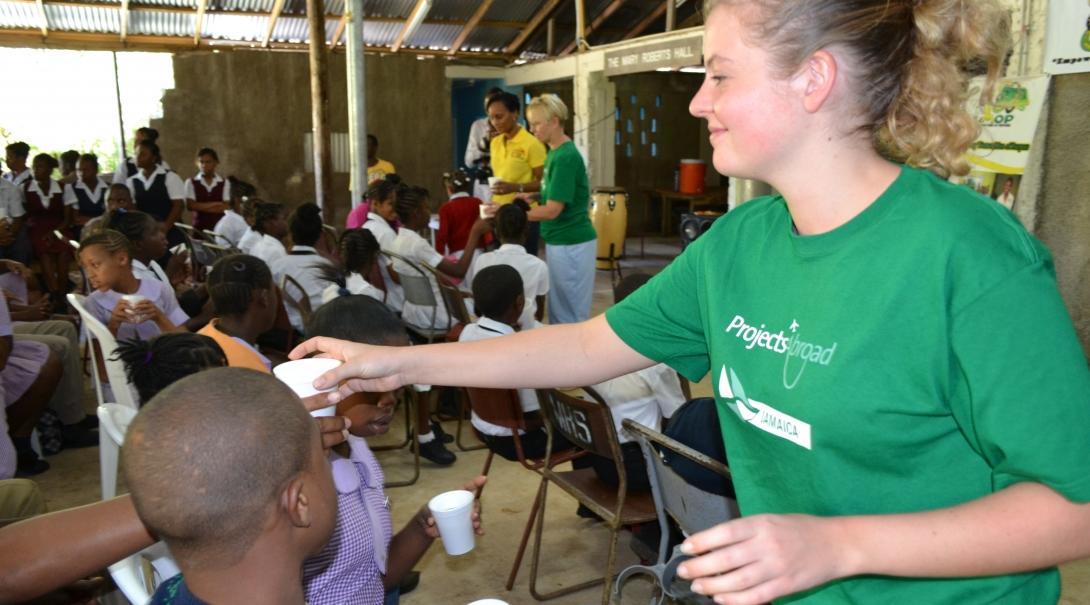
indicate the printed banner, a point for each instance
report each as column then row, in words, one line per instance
column 1008, row 124
column 1067, row 45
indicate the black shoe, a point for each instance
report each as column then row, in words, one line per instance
column 89, row 422
column 440, row 434
column 409, row 583
column 74, row 436
column 29, row 464
column 586, row 513
column 438, row 453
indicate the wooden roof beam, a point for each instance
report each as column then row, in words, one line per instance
column 43, row 20
column 339, row 32
column 124, row 19
column 606, row 13
column 542, row 13
column 274, row 16
column 404, row 33
column 470, row 26
column 202, row 5
column 647, row 21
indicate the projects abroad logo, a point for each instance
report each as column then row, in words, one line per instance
column 760, row 414
column 797, row 352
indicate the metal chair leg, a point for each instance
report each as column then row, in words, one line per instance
column 536, row 556
column 534, row 510
column 414, row 445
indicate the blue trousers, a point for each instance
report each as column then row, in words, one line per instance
column 571, row 281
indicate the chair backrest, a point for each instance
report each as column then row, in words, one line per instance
column 114, row 420
column 453, row 298
column 296, row 296
column 138, row 576
column 414, row 283
column 500, row 407
column 586, row 424
column 107, row 344
column 693, row 508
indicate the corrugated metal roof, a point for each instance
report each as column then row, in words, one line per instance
column 161, row 24
column 101, row 19
column 249, row 6
column 514, row 10
column 291, row 29
column 490, row 39
column 235, row 27
column 380, row 33
column 453, row 10
column 434, row 37
column 389, row 8
column 18, row 15
column 181, row 3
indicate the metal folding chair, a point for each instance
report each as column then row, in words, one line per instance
column 692, row 508
column 416, row 284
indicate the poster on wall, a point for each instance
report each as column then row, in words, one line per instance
column 1007, row 125
column 1067, row 45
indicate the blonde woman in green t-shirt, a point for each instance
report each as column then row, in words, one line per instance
column 901, row 392
column 570, row 239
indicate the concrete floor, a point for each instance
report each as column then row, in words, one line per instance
column 574, row 549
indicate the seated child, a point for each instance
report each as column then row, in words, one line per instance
column 250, row 237
column 647, row 396
column 359, row 257
column 117, row 198
column 511, row 228
column 257, row 497
column 303, row 263
column 246, row 305
column 457, row 215
column 270, row 225
column 414, row 211
column 148, row 243
column 230, row 229
column 364, row 559
column 29, row 373
column 106, row 257
column 498, row 299
column 153, row 365
column 381, row 222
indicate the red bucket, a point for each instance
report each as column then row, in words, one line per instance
column 691, row 176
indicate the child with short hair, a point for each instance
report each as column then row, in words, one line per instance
column 246, row 304
column 16, row 155
column 258, row 495
column 107, row 258
column 270, row 227
column 303, row 263
column 359, row 257
column 153, row 365
column 118, row 197
column 147, row 242
column 207, row 194
column 512, row 230
column 365, row 561
column 87, row 193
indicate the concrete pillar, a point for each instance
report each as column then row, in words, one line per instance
column 594, row 98
column 319, row 102
column 357, row 97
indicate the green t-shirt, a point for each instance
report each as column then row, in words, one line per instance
column 917, row 357
column 565, row 181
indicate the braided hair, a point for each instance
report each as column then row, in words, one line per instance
column 384, row 189
column 153, row 365
column 359, row 249
column 264, row 212
column 408, row 202
column 232, row 281
column 112, row 241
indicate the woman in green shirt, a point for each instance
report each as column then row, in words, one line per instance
column 902, row 396
column 570, row 240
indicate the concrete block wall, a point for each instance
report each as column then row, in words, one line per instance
column 253, row 108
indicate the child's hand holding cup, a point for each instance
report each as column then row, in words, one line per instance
column 131, row 300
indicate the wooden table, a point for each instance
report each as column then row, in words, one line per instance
column 712, row 196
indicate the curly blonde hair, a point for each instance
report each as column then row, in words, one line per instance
column 911, row 60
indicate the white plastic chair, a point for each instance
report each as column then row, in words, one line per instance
column 113, row 422
column 107, row 344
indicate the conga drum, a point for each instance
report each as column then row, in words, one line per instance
column 609, row 213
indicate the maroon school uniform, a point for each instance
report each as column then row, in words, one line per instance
column 44, row 213
column 201, row 193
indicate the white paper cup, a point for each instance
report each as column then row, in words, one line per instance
column 453, row 515
column 326, row 411
column 301, row 374
column 492, row 180
column 488, row 602
column 132, row 300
